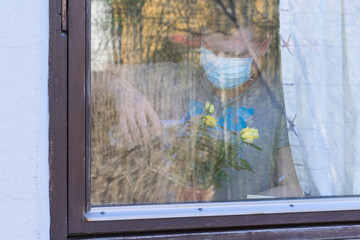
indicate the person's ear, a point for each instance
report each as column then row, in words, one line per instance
column 264, row 45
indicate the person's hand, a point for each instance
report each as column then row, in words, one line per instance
column 138, row 121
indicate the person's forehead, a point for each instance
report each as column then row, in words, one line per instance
column 238, row 40
column 242, row 33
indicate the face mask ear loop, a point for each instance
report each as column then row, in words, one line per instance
column 256, row 52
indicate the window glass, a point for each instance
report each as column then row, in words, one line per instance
column 216, row 100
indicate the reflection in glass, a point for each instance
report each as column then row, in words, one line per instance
column 187, row 103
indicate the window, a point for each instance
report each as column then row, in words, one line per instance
column 199, row 116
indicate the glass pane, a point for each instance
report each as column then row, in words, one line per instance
column 208, row 101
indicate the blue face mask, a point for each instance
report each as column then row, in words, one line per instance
column 226, row 73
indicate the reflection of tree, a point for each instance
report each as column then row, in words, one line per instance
column 126, row 17
column 143, row 30
column 229, row 12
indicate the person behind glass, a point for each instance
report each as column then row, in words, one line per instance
column 241, row 56
column 237, row 87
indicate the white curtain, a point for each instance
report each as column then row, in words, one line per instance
column 321, row 80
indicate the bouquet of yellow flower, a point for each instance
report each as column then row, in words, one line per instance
column 199, row 158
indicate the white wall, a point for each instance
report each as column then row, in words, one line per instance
column 24, row 175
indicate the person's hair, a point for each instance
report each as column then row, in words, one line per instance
column 262, row 16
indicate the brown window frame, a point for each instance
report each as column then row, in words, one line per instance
column 69, row 105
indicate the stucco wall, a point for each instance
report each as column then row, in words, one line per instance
column 24, row 196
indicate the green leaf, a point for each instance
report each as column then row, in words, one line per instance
column 246, row 165
column 255, row 146
column 236, row 165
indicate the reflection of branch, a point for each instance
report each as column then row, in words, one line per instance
column 232, row 6
column 231, row 16
column 141, row 4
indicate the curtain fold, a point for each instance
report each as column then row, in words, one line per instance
column 320, row 43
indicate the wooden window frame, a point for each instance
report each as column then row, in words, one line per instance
column 69, row 105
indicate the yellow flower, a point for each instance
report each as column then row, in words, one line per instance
column 208, row 121
column 249, row 134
